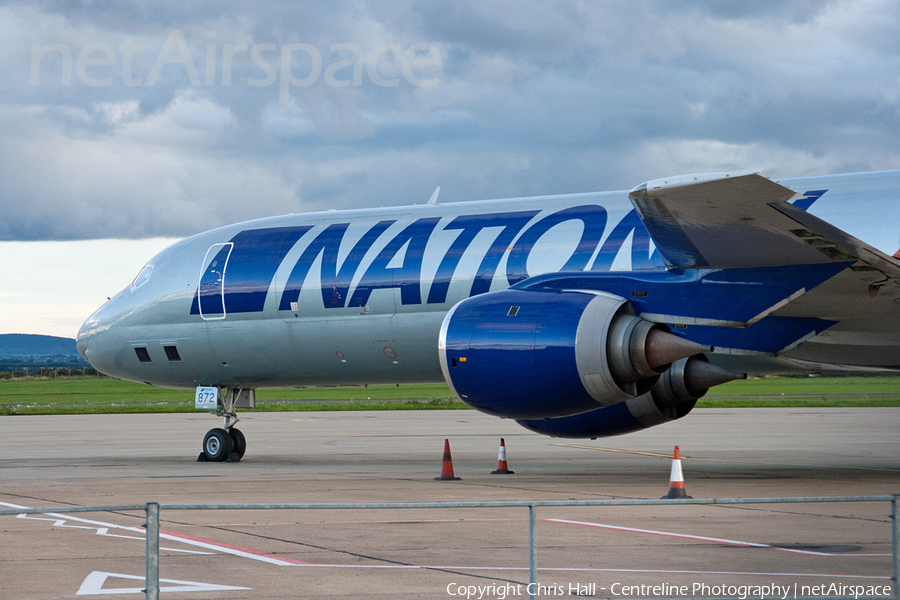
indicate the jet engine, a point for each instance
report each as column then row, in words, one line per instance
column 673, row 397
column 526, row 354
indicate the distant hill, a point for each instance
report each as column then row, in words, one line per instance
column 16, row 345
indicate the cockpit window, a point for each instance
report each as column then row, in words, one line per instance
column 142, row 277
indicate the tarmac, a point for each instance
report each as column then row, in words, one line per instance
column 770, row 550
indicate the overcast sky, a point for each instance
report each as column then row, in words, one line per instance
column 137, row 120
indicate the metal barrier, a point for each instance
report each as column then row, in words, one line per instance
column 153, row 509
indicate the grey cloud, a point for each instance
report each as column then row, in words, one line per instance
column 532, row 98
column 792, row 11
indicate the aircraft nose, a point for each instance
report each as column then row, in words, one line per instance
column 84, row 341
column 81, row 342
column 94, row 334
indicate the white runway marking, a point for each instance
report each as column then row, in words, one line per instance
column 60, row 520
column 93, row 585
column 273, row 559
column 683, row 536
column 597, row 570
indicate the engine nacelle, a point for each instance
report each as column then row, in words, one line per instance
column 544, row 354
column 673, row 397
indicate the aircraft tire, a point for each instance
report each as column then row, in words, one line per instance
column 217, row 445
column 240, row 443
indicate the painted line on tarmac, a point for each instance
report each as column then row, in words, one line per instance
column 283, row 561
column 371, row 522
column 59, row 520
column 683, row 456
column 698, row 538
column 104, row 532
column 70, row 451
column 274, row 559
column 719, row 460
column 598, row 570
column 102, row 529
column 616, row 450
column 93, row 585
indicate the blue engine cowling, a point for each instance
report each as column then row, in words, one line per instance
column 546, row 354
column 672, row 398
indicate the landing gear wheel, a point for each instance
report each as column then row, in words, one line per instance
column 217, row 445
column 240, row 443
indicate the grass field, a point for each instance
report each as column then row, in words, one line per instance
column 91, row 395
column 805, row 391
column 86, row 396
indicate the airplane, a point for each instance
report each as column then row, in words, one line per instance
column 579, row 315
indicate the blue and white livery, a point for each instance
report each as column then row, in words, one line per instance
column 580, row 315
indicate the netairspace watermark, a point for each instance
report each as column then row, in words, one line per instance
column 501, row 591
column 346, row 65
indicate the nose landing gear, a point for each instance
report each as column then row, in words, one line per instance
column 217, row 445
column 227, row 443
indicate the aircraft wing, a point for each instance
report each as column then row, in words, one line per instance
column 723, row 222
column 719, row 221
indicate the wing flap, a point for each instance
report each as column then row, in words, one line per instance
column 725, row 222
column 838, row 244
column 720, row 221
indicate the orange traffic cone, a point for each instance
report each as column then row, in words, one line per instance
column 447, row 465
column 502, row 467
column 676, row 480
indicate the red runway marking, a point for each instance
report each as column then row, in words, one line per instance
column 234, row 549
